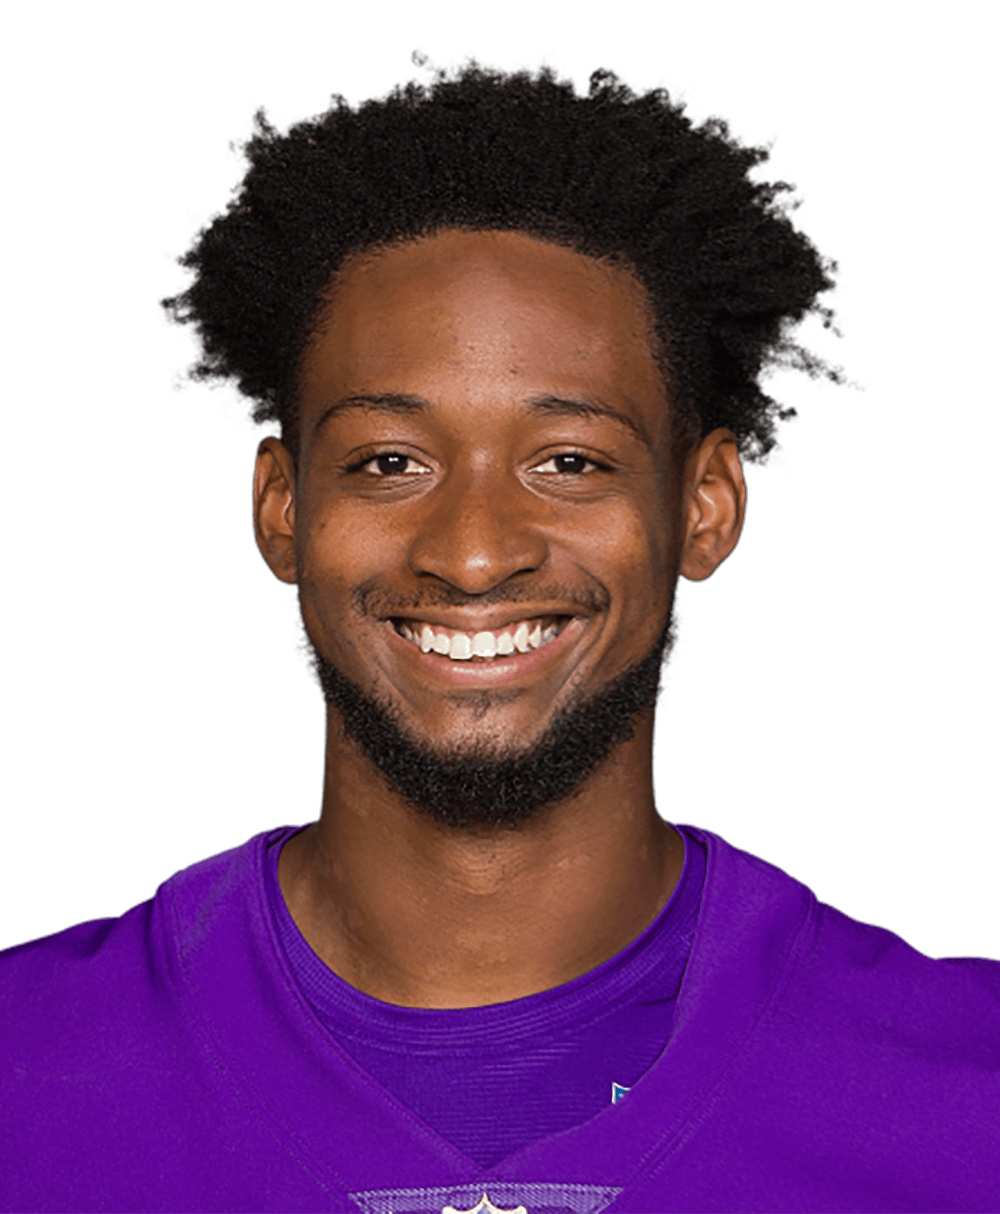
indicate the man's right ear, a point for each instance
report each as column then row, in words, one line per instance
column 274, row 508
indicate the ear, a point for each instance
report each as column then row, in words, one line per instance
column 716, row 496
column 274, row 508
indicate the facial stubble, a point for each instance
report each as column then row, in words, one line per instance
column 475, row 787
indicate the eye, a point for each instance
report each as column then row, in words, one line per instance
column 393, row 463
column 568, row 463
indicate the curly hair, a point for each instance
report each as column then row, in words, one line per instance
column 612, row 174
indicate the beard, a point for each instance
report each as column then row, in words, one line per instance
column 474, row 787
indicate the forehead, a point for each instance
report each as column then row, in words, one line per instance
column 484, row 312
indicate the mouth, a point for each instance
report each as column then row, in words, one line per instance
column 489, row 657
column 517, row 637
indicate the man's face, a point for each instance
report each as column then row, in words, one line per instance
column 485, row 449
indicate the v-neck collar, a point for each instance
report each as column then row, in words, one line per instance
column 222, row 949
column 658, row 953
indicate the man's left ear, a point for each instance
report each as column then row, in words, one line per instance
column 715, row 500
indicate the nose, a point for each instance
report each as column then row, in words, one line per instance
column 481, row 529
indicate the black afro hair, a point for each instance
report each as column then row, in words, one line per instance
column 611, row 174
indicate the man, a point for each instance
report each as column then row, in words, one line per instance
column 513, row 339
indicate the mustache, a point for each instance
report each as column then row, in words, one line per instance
column 374, row 599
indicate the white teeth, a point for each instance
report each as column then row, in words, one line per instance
column 461, row 650
column 461, row 647
column 484, row 645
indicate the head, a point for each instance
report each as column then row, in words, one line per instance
column 513, row 338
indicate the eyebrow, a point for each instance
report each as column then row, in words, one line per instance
column 548, row 404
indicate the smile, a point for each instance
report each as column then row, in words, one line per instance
column 493, row 658
column 520, row 636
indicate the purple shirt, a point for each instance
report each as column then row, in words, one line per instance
column 169, row 1060
column 548, row 1062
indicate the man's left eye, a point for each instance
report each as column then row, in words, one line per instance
column 569, row 462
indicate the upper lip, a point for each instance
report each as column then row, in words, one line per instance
column 489, row 621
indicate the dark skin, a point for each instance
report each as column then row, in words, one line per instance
column 513, row 449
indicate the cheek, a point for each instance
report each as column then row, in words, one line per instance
column 634, row 549
column 337, row 551
column 648, row 578
column 645, row 571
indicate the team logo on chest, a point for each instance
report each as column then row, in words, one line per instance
column 499, row 1197
column 485, row 1206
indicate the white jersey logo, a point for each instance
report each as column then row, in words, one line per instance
column 502, row 1197
column 485, row 1206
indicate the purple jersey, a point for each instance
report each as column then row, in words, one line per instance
column 549, row 1062
column 169, row 1060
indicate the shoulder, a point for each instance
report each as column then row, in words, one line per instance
column 833, row 1060
column 114, row 1092
column 72, row 967
column 69, row 996
column 944, row 1012
column 860, row 971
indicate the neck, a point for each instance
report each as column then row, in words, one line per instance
column 421, row 916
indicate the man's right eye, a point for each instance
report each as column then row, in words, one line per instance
column 386, row 464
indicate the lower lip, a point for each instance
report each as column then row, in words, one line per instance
column 490, row 672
